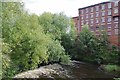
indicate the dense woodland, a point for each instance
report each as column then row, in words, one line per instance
column 30, row 41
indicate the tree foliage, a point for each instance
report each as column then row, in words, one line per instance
column 54, row 24
column 28, row 41
column 92, row 48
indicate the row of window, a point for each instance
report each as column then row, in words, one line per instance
column 109, row 27
column 97, row 8
column 108, row 32
column 109, row 19
column 109, row 12
column 97, row 14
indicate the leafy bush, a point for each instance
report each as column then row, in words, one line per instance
column 27, row 44
column 24, row 39
column 65, row 59
column 115, row 69
column 117, row 78
column 57, row 53
column 112, row 68
column 55, row 25
column 95, row 49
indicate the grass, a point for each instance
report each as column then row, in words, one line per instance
column 116, row 78
column 110, row 68
column 114, row 69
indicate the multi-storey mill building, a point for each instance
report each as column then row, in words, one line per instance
column 104, row 16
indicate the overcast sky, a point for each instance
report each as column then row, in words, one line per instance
column 69, row 7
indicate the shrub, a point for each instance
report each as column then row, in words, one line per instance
column 95, row 49
column 24, row 39
column 26, row 43
column 57, row 53
column 65, row 59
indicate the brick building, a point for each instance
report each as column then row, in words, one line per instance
column 104, row 16
column 76, row 23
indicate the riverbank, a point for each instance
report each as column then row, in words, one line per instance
column 49, row 71
column 76, row 70
column 115, row 69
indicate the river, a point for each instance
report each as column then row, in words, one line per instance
column 77, row 71
column 85, row 70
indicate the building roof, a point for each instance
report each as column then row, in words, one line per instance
column 75, row 17
column 94, row 5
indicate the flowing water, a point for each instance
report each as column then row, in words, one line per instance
column 85, row 70
column 80, row 71
column 76, row 71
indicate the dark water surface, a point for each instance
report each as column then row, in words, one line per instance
column 86, row 70
column 82, row 71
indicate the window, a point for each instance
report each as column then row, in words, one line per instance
column 87, row 10
column 82, row 23
column 91, row 21
column 116, row 19
column 97, row 14
column 116, row 3
column 97, row 21
column 102, row 28
column 87, row 22
column 102, row 19
column 91, row 15
column 82, row 17
column 103, row 13
column 86, row 15
column 92, row 9
column 109, row 33
column 97, row 8
column 116, row 31
column 116, row 10
column 116, row 25
column 109, row 12
column 92, row 28
column 103, row 7
column 97, row 28
column 109, row 23
column 109, row 26
column 109, row 19
column 109, row 5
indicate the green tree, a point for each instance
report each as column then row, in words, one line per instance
column 26, row 43
column 57, row 53
column 30, row 40
column 87, row 41
column 91, row 48
column 68, row 39
column 55, row 25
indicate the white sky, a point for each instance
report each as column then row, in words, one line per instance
column 69, row 7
